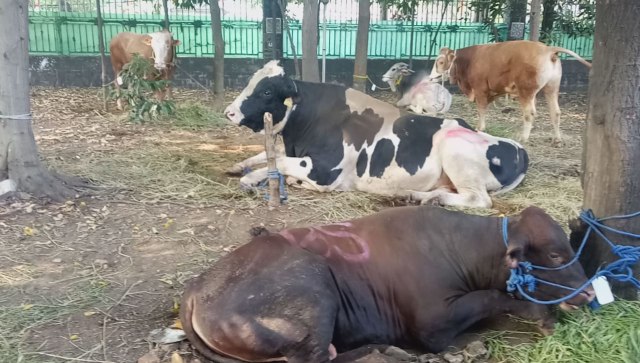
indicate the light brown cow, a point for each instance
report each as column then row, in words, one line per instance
column 519, row 68
column 158, row 47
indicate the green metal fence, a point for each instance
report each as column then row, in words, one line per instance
column 68, row 27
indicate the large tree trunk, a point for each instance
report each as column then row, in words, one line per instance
column 534, row 20
column 611, row 155
column 218, row 56
column 310, row 71
column 362, row 46
column 19, row 161
column 548, row 18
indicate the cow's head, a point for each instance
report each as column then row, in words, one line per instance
column 395, row 73
column 535, row 237
column 162, row 45
column 442, row 65
column 269, row 90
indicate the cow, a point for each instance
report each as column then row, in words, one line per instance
column 158, row 47
column 416, row 90
column 414, row 277
column 519, row 68
column 337, row 138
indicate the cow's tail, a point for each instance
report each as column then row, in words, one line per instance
column 571, row 53
column 186, row 314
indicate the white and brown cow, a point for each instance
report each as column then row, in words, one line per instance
column 416, row 90
column 337, row 138
column 519, row 68
column 158, row 47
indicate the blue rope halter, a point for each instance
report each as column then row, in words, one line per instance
column 620, row 269
column 264, row 183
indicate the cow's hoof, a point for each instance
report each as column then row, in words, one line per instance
column 236, row 170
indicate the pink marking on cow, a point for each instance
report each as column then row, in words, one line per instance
column 320, row 234
column 466, row 134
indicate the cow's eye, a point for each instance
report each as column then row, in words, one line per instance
column 393, row 69
column 555, row 257
column 267, row 92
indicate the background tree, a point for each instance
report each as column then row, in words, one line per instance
column 19, row 158
column 362, row 46
column 218, row 42
column 548, row 18
column 310, row 14
column 611, row 145
column 534, row 20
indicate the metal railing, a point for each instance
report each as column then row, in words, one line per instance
column 68, row 27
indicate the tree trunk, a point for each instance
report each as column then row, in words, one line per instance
column 384, row 9
column 517, row 14
column 19, row 161
column 548, row 18
column 611, row 146
column 534, row 21
column 103, row 57
column 310, row 71
column 362, row 46
column 218, row 56
column 165, row 8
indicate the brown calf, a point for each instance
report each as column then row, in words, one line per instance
column 519, row 68
column 158, row 47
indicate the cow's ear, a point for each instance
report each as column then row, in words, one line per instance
column 147, row 40
column 176, row 42
column 517, row 244
column 514, row 256
column 451, row 56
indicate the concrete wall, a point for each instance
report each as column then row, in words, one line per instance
column 59, row 71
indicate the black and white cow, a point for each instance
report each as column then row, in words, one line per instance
column 337, row 138
column 416, row 90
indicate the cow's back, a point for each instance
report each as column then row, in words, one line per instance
column 499, row 66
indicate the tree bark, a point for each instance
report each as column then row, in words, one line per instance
column 19, row 160
column 611, row 146
column 534, row 27
column 362, row 46
column 218, row 56
column 310, row 71
column 548, row 18
column 165, row 8
column 103, row 57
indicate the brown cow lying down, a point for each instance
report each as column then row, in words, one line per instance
column 520, row 68
column 414, row 277
column 158, row 47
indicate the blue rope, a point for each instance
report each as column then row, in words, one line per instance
column 620, row 269
column 275, row 174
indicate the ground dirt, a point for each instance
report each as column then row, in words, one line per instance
column 87, row 280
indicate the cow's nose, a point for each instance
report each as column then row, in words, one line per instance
column 589, row 293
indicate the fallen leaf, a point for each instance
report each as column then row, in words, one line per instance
column 28, row 231
column 176, row 306
column 89, row 313
column 74, row 337
column 166, row 336
column 176, row 358
column 27, row 306
column 168, row 224
column 177, row 324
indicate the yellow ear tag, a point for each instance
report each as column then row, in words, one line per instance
column 288, row 102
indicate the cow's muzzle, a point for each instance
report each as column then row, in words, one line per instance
column 584, row 297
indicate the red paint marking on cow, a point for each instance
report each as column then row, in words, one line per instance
column 467, row 135
column 317, row 240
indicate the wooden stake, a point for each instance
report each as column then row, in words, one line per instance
column 103, row 57
column 270, row 149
